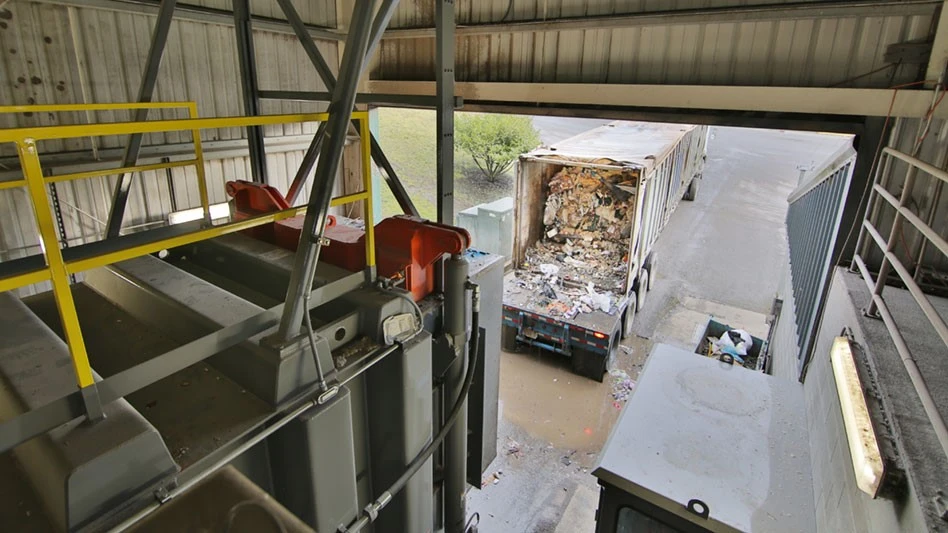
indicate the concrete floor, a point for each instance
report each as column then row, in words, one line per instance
column 721, row 255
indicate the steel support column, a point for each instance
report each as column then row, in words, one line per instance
column 158, row 39
column 444, row 92
column 382, row 18
column 330, row 154
column 248, row 85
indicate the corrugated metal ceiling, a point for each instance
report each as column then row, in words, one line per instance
column 813, row 50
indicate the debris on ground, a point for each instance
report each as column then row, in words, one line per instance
column 358, row 347
column 568, row 458
column 622, row 386
column 492, row 479
column 580, row 263
column 513, row 447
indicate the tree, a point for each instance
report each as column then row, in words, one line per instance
column 494, row 141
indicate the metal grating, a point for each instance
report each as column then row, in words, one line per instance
column 813, row 220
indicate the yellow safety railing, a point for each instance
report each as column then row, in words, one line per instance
column 58, row 270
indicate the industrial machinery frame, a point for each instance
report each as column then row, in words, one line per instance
column 56, row 266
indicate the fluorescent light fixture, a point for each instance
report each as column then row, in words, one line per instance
column 218, row 211
column 863, row 446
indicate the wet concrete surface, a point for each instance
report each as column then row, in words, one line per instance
column 722, row 256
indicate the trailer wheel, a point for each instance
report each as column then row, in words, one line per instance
column 692, row 193
column 628, row 318
column 508, row 338
column 641, row 290
column 650, row 265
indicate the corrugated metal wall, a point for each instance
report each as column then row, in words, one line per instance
column 788, row 52
column 54, row 54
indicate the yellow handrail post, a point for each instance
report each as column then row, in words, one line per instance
column 199, row 166
column 59, row 277
column 367, row 185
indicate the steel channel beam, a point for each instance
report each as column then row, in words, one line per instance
column 396, row 100
column 394, row 184
column 145, row 91
column 330, row 156
column 751, row 13
column 444, row 108
column 248, row 87
column 38, row 421
column 386, row 9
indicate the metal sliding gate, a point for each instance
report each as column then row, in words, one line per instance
column 813, row 219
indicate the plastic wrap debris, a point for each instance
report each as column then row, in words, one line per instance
column 622, row 385
column 735, row 342
column 549, row 270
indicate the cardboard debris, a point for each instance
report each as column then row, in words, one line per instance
column 581, row 261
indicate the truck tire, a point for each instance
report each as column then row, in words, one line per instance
column 650, row 265
column 641, row 290
column 508, row 338
column 628, row 318
column 692, row 192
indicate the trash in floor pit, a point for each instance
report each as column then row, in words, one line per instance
column 734, row 342
column 622, row 385
column 568, row 458
column 625, row 348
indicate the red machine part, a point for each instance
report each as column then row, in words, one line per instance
column 410, row 246
column 405, row 246
column 254, row 199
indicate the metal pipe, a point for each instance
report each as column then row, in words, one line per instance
column 340, row 113
column 936, row 199
column 907, row 187
column 223, row 461
column 881, row 176
column 124, row 184
column 918, row 163
column 930, row 312
column 920, row 225
column 455, row 445
column 316, row 402
column 921, row 388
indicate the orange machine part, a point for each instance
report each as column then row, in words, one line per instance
column 405, row 246
column 410, row 246
column 254, row 199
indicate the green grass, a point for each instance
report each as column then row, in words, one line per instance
column 409, row 140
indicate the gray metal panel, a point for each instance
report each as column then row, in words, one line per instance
column 487, row 270
column 79, row 470
column 314, row 466
column 399, row 407
column 732, row 438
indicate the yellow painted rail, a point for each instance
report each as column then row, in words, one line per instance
column 57, row 270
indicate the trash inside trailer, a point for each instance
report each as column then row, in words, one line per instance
column 588, row 211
